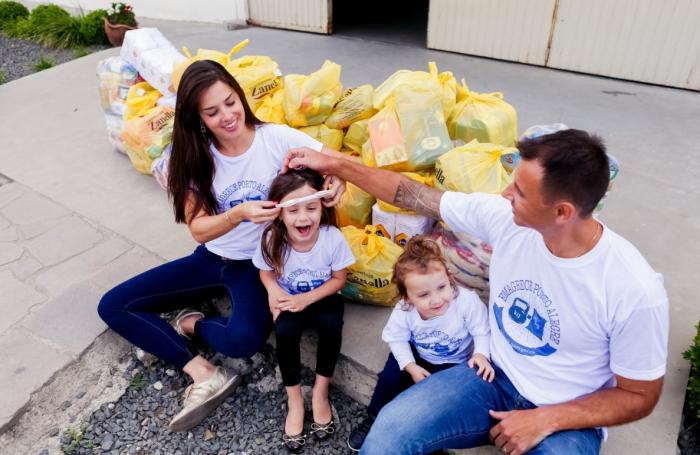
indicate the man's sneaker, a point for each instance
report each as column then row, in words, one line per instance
column 358, row 435
column 203, row 397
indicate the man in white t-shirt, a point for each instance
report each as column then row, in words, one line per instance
column 579, row 320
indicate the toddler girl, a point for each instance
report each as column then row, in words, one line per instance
column 435, row 326
column 302, row 259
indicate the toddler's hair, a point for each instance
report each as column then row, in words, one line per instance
column 275, row 246
column 420, row 256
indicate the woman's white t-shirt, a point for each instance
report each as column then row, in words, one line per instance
column 247, row 177
column 305, row 271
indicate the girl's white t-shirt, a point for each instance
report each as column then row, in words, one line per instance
column 562, row 328
column 305, row 271
column 449, row 338
column 247, row 177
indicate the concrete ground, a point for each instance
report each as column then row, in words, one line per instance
column 75, row 218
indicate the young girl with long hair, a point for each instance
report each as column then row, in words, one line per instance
column 436, row 325
column 222, row 162
column 302, row 259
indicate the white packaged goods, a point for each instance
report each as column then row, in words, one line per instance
column 147, row 50
column 159, row 167
column 116, row 77
column 408, row 226
column 385, row 222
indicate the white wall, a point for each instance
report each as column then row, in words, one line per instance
column 217, row 11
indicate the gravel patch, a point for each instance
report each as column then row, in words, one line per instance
column 18, row 56
column 251, row 421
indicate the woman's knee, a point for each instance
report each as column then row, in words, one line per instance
column 110, row 306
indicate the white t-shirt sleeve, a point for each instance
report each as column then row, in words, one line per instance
column 638, row 340
column 397, row 334
column 342, row 254
column 288, row 138
column 476, row 321
column 258, row 260
column 485, row 216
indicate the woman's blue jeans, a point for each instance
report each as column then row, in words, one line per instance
column 450, row 409
column 132, row 308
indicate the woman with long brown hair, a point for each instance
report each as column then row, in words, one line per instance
column 222, row 162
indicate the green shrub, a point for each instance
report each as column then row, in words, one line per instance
column 3, row 77
column 92, row 27
column 63, row 33
column 80, row 52
column 11, row 12
column 43, row 64
column 21, row 28
column 693, row 356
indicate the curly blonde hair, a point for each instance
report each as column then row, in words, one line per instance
column 420, row 256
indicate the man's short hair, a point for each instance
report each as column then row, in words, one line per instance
column 575, row 167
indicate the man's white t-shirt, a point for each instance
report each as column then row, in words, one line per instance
column 560, row 328
column 247, row 177
column 448, row 338
column 305, row 271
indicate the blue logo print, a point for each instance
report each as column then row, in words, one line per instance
column 527, row 318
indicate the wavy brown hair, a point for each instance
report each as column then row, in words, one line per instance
column 274, row 242
column 419, row 256
column 191, row 167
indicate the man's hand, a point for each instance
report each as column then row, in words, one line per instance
column 518, row 431
column 303, row 157
column 485, row 369
column 293, row 303
column 417, row 373
column 336, row 185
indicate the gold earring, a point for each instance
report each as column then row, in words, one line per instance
column 202, row 128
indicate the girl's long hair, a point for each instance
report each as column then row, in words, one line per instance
column 191, row 167
column 275, row 244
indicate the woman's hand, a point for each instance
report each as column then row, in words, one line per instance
column 273, row 298
column 293, row 303
column 336, row 185
column 257, row 211
column 485, row 369
column 417, row 373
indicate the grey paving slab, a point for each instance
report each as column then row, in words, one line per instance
column 68, row 237
column 8, row 234
column 24, row 267
column 81, row 267
column 131, row 263
column 362, row 334
column 70, row 319
column 33, row 214
column 27, row 364
column 9, row 192
column 9, row 252
column 16, row 299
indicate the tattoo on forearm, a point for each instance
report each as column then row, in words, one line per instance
column 418, row 197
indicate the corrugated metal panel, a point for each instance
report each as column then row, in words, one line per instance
column 306, row 15
column 654, row 41
column 516, row 30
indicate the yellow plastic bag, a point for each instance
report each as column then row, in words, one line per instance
column 420, row 177
column 356, row 136
column 146, row 137
column 484, row 117
column 474, row 167
column 204, row 54
column 369, row 278
column 355, row 104
column 355, row 207
column 367, row 154
column 258, row 76
column 443, row 84
column 140, row 99
column 329, row 137
column 388, row 144
column 448, row 88
column 423, row 125
column 309, row 100
column 270, row 108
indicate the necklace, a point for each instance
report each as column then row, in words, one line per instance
column 589, row 245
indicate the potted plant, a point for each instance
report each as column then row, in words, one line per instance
column 118, row 21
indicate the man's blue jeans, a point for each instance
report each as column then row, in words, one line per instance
column 450, row 409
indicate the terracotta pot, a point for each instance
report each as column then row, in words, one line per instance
column 115, row 32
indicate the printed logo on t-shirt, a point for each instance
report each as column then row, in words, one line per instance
column 437, row 342
column 304, row 280
column 527, row 318
column 240, row 192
